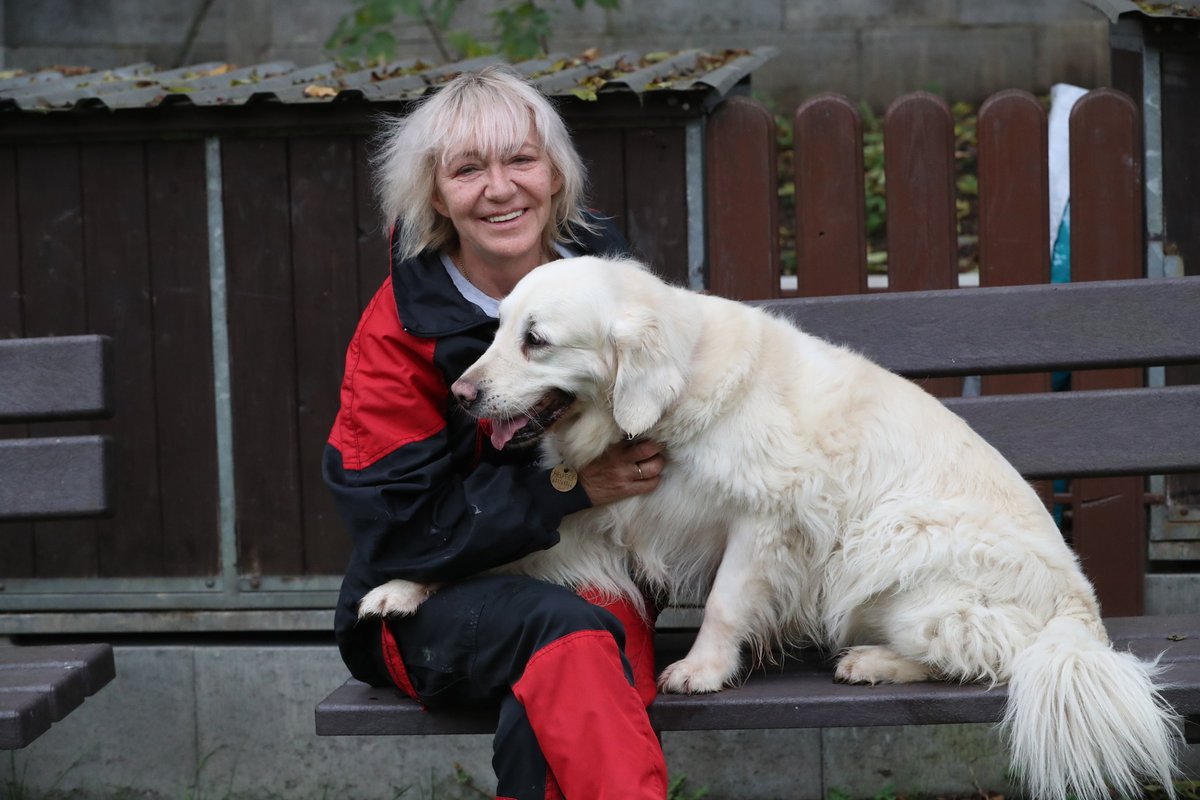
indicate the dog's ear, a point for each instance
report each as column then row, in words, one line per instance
column 653, row 350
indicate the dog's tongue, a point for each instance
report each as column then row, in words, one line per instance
column 504, row 429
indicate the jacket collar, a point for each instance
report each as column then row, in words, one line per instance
column 427, row 300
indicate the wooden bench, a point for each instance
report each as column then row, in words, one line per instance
column 1083, row 433
column 49, row 477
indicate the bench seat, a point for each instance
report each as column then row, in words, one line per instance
column 799, row 694
column 1100, row 428
column 40, row 685
column 51, row 477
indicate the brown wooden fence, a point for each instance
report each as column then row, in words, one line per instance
column 104, row 228
column 1107, row 515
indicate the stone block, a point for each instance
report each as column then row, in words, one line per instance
column 818, row 14
column 255, row 706
column 1023, row 12
column 98, row 22
column 1073, row 52
column 296, row 24
column 138, row 731
column 747, row 765
column 966, row 64
column 673, row 17
column 928, row 760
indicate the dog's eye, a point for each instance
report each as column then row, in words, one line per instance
column 533, row 339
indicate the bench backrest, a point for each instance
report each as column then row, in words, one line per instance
column 1033, row 328
column 54, row 379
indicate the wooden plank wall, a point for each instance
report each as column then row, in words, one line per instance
column 112, row 238
column 1108, row 515
column 638, row 177
column 304, row 253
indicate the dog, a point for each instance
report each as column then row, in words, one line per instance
column 810, row 496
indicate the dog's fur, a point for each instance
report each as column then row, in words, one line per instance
column 811, row 495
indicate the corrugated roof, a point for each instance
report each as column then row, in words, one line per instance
column 1185, row 9
column 218, row 84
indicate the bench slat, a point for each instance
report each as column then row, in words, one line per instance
column 94, row 661
column 801, row 694
column 24, row 716
column 1109, row 432
column 54, row 377
column 64, row 688
column 40, row 685
column 1011, row 328
column 59, row 477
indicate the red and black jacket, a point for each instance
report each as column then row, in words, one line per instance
column 423, row 493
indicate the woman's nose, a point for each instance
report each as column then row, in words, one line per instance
column 499, row 182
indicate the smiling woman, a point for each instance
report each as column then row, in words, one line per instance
column 480, row 186
column 499, row 205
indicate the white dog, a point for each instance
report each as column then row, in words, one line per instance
column 813, row 496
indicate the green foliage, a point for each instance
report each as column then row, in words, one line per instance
column 676, row 790
column 873, row 174
column 522, row 29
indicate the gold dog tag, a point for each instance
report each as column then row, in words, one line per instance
column 563, row 478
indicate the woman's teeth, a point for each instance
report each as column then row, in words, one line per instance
column 505, row 217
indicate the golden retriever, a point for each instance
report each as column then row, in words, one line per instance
column 810, row 496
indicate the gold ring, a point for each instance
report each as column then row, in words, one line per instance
column 641, row 477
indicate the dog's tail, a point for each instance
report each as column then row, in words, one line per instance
column 1082, row 717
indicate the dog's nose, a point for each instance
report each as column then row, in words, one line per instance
column 464, row 391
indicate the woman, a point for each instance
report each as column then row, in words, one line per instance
column 483, row 185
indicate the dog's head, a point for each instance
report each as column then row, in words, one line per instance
column 581, row 334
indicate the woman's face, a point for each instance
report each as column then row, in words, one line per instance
column 500, row 205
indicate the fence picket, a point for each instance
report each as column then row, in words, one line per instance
column 1107, row 244
column 742, row 205
column 831, row 250
column 918, row 140
column 1014, row 215
column 922, row 236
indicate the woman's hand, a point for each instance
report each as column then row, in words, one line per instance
column 623, row 470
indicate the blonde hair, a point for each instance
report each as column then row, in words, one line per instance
column 490, row 112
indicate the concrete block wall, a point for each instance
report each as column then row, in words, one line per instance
column 871, row 50
column 191, row 720
column 235, row 720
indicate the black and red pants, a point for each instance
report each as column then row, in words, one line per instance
column 572, row 724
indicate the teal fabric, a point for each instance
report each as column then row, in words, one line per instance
column 1060, row 272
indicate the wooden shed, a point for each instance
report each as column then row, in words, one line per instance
column 219, row 225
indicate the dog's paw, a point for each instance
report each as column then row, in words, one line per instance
column 694, row 676
column 395, row 599
column 876, row 664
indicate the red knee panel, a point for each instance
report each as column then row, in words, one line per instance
column 590, row 723
column 639, row 639
column 395, row 664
